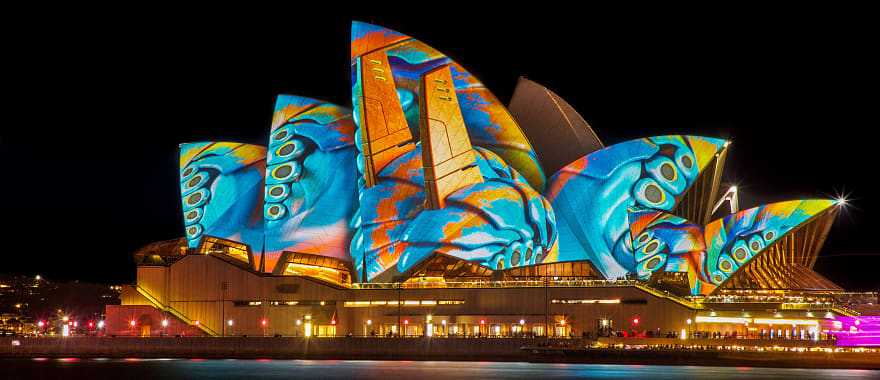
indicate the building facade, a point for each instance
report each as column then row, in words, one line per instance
column 431, row 209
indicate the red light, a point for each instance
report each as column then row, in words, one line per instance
column 635, row 321
column 41, row 323
column 263, row 322
column 482, row 321
column 132, row 323
column 333, row 322
column 91, row 324
column 406, row 321
column 70, row 323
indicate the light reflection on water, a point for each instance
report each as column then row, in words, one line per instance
column 134, row 368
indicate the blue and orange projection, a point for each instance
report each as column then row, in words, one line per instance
column 314, row 190
column 221, row 186
column 488, row 122
column 311, row 191
column 711, row 254
column 592, row 196
column 499, row 223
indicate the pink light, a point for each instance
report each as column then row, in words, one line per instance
column 132, row 323
column 865, row 333
column 482, row 321
column 406, row 321
column 41, row 323
column 263, row 322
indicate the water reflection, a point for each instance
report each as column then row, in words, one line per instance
column 365, row 369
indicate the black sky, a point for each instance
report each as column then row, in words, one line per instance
column 97, row 105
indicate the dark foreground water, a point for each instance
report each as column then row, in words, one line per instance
column 128, row 369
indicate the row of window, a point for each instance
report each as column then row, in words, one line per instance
column 402, row 303
column 284, row 303
column 573, row 301
column 638, row 301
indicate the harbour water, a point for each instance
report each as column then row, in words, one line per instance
column 264, row 369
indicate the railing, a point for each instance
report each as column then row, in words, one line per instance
column 536, row 283
column 672, row 297
column 556, row 282
column 172, row 311
column 843, row 310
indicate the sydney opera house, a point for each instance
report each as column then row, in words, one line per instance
column 432, row 209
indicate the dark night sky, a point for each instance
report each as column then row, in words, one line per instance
column 98, row 105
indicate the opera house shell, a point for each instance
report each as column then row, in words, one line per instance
column 428, row 181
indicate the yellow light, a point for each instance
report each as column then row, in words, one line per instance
column 683, row 334
column 369, row 322
column 776, row 321
column 738, row 320
column 308, row 326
